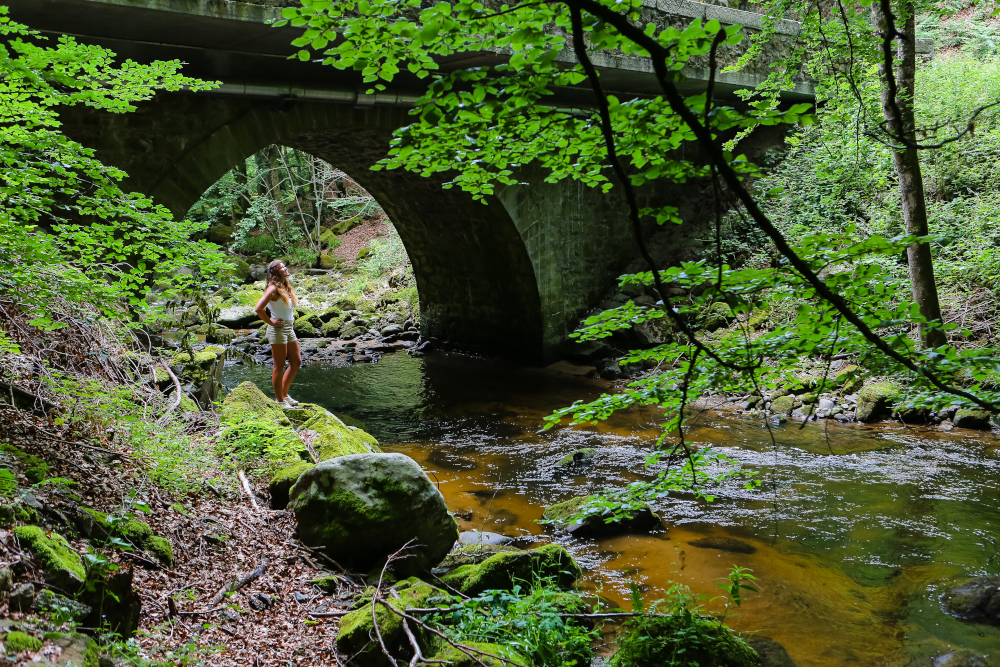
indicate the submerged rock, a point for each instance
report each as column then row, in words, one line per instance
column 477, row 537
column 975, row 599
column 771, row 653
column 503, row 570
column 584, row 455
column 959, row 658
column 594, row 525
column 364, row 507
column 730, row 544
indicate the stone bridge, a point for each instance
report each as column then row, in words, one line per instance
column 513, row 276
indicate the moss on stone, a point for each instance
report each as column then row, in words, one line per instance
column 188, row 405
column 17, row 641
column 204, row 357
column 327, row 261
column 560, row 513
column 162, row 549
column 876, row 398
column 327, row 583
column 304, row 329
column 284, row 480
column 579, row 456
column 335, row 438
column 62, row 565
column 33, row 467
column 355, row 637
column 17, row 511
column 256, row 440
column 248, row 402
column 328, row 239
column 161, row 376
column 810, row 397
column 455, row 658
column 976, row 418
column 503, row 570
column 332, row 327
column 471, row 554
column 783, row 405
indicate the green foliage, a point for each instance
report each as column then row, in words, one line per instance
column 131, row 653
column 8, row 483
column 527, row 622
column 71, row 234
column 258, row 446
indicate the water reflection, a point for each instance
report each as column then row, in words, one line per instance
column 855, row 529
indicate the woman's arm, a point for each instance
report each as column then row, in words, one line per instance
column 262, row 304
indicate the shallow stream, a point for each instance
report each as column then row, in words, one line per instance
column 857, row 529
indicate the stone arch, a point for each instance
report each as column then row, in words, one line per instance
column 474, row 276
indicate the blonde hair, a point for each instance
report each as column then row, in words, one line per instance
column 281, row 285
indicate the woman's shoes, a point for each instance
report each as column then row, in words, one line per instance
column 292, row 401
column 285, row 404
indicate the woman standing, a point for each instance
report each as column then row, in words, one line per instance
column 279, row 298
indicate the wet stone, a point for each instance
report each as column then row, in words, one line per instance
column 976, row 599
column 729, row 544
column 22, row 597
column 477, row 537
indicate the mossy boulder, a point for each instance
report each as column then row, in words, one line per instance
column 584, row 455
column 715, row 316
column 566, row 516
column 239, row 272
column 327, row 262
column 810, row 397
column 347, row 225
column 54, row 603
column 503, row 570
column 77, row 649
column 17, row 511
column 875, row 400
column 975, row 599
column 305, row 329
column 473, row 554
column 61, row 565
column 220, row 234
column 259, row 443
column 363, row 507
column 356, row 636
column 331, row 329
column 283, row 481
column 783, row 405
column 455, row 658
column 848, row 378
column 17, row 641
column 139, row 533
column 328, row 239
column 221, row 335
column 248, row 402
column 364, row 252
column 656, row 640
column 335, row 438
column 188, row 405
column 34, row 468
column 162, row 549
column 976, row 418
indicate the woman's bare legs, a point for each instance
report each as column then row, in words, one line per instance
column 294, row 362
column 278, row 353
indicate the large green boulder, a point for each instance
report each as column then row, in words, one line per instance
column 248, row 402
column 976, row 418
column 220, row 234
column 335, row 438
column 331, row 329
column 283, row 481
column 61, row 565
column 347, row 225
column 305, row 329
column 875, row 400
column 203, row 369
column 328, row 239
column 357, row 638
column 240, row 271
column 327, row 262
column 503, row 570
column 783, row 405
column 364, row 507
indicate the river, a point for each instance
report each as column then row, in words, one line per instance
column 857, row 529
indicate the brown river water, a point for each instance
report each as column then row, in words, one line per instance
column 857, row 530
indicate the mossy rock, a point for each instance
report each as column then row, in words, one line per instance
column 347, row 225
column 561, row 515
column 783, row 405
column 221, row 335
column 17, row 641
column 810, row 397
column 455, row 658
column 62, row 566
column 715, row 316
column 248, row 402
column 329, row 314
column 363, row 507
column 17, row 511
column 473, row 554
column 503, row 570
column 364, row 252
column 332, row 328
column 188, row 405
column 328, row 239
column 304, row 329
column 162, row 549
column 283, row 481
column 240, row 271
column 327, row 262
column 260, row 443
column 356, row 636
column 335, row 438
column 583, row 455
column 976, row 418
column 847, row 373
column 327, row 583
column 656, row 640
column 34, row 468
column 203, row 358
column 77, row 649
column 875, row 400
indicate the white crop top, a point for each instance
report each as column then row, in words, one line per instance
column 281, row 310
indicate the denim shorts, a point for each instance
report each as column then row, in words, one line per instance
column 282, row 335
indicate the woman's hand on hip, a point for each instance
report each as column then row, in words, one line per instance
column 277, row 322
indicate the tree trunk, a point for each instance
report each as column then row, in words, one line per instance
column 898, row 111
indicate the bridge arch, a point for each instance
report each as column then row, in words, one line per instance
column 475, row 279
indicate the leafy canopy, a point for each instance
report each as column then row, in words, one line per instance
column 69, row 234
